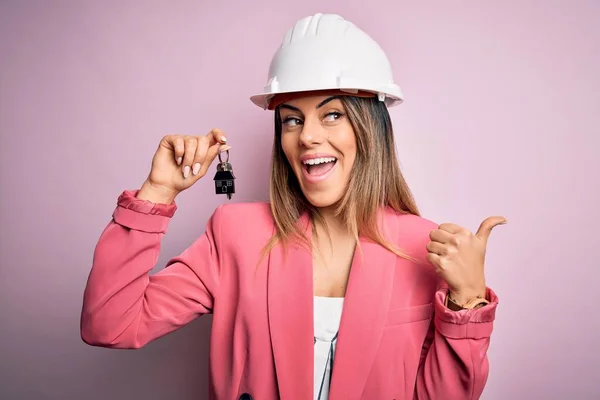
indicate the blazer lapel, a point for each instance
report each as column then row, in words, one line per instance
column 366, row 304
column 290, row 311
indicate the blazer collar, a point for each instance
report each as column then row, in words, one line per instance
column 290, row 313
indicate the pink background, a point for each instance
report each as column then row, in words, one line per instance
column 501, row 117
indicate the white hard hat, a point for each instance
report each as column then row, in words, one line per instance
column 324, row 51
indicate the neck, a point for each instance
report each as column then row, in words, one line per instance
column 337, row 238
column 335, row 224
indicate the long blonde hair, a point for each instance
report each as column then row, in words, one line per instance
column 375, row 182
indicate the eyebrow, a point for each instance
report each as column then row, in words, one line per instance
column 327, row 100
column 321, row 104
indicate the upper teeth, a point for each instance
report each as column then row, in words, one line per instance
column 315, row 161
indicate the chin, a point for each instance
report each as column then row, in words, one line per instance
column 322, row 193
column 323, row 199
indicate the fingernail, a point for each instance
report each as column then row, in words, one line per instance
column 223, row 139
column 186, row 171
column 196, row 169
column 179, row 160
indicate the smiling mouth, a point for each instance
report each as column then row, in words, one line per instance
column 319, row 166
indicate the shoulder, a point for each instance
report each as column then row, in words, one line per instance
column 255, row 209
column 411, row 233
column 410, row 225
column 246, row 216
column 414, row 225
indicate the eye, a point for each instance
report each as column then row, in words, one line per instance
column 333, row 116
column 292, row 121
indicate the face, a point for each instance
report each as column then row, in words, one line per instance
column 320, row 145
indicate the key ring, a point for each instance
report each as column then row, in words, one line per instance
column 226, row 151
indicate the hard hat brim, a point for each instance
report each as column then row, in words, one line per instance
column 269, row 101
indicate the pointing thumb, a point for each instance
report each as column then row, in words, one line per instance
column 487, row 225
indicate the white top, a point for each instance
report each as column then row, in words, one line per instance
column 327, row 316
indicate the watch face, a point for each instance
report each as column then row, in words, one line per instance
column 480, row 303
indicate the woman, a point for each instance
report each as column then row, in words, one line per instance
column 394, row 306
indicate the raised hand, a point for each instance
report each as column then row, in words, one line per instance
column 179, row 162
column 459, row 257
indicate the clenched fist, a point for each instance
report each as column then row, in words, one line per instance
column 179, row 162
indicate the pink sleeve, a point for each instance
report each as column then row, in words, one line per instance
column 454, row 364
column 126, row 307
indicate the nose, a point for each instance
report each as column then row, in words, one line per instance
column 312, row 133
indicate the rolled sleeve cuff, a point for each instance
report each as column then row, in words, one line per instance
column 465, row 324
column 142, row 215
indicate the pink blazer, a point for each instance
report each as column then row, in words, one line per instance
column 396, row 339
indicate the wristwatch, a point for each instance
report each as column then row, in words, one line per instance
column 476, row 302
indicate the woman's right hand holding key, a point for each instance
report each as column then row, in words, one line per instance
column 179, row 162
